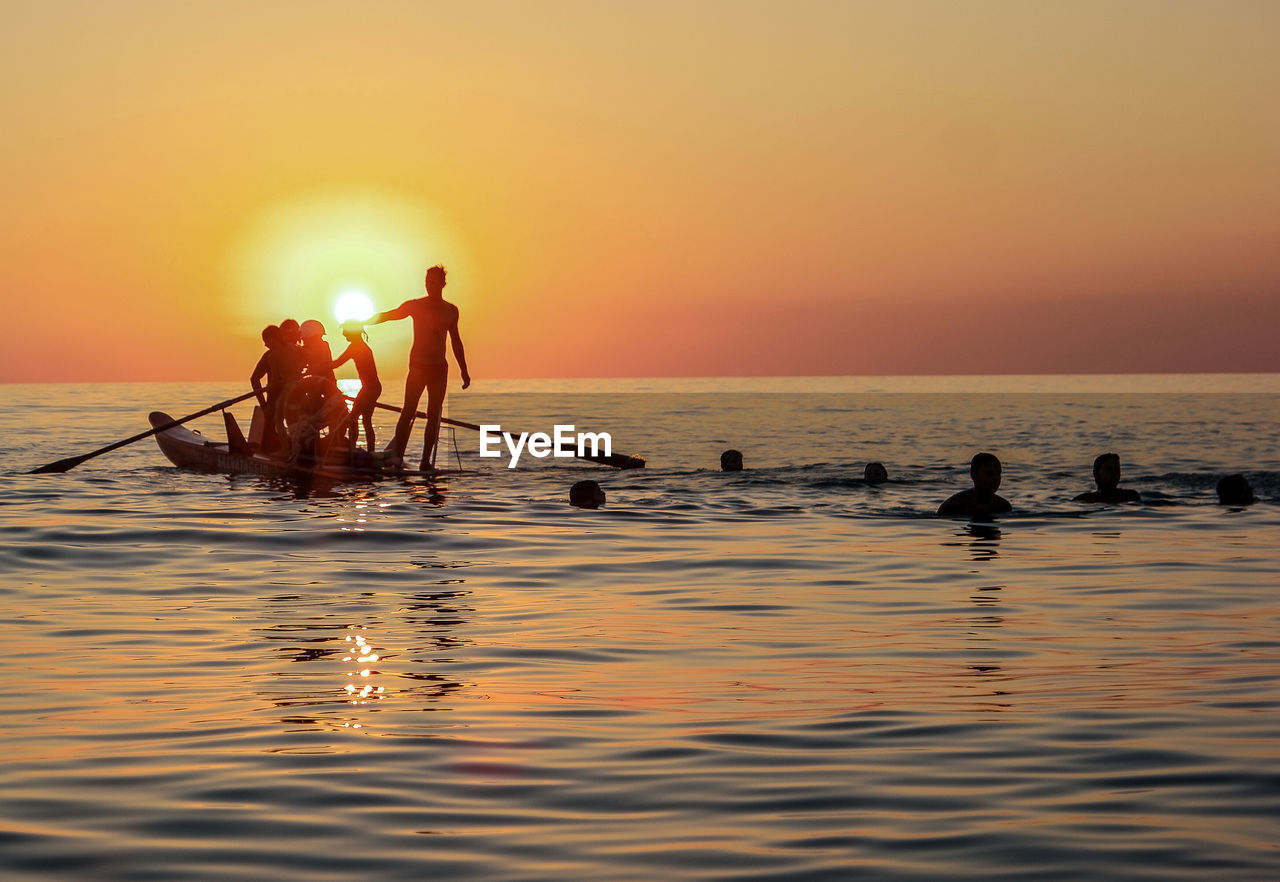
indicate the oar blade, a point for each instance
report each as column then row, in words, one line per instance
column 616, row 460
column 62, row 465
column 66, row 465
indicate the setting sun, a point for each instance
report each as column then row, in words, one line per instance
column 341, row 251
column 352, row 306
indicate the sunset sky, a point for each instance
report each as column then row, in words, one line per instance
column 646, row 189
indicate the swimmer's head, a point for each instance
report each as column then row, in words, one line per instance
column 586, row 494
column 985, row 470
column 875, row 473
column 1106, row 471
column 731, row 461
column 1235, row 490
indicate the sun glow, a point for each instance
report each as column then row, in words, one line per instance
column 353, row 306
column 349, row 251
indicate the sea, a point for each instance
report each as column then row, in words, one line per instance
column 783, row 673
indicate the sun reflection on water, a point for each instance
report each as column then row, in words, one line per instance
column 361, row 688
column 362, row 506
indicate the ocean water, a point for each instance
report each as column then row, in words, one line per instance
column 778, row 674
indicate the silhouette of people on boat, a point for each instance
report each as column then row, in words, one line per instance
column 315, row 403
column 1235, row 490
column 1106, row 474
column 306, row 446
column 292, row 332
column 361, row 355
column 281, row 365
column 981, row 500
column 434, row 320
column 315, row 349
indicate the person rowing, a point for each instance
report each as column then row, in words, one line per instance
column 434, row 319
column 281, row 365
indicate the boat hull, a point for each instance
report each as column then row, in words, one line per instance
column 191, row 450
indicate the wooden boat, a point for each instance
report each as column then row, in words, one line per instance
column 191, row 450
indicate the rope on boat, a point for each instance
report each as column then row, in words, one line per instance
column 453, row 440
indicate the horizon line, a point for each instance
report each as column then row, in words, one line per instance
column 670, row 377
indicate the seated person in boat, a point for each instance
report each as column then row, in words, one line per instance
column 358, row 351
column 306, row 446
column 281, row 365
column 981, row 500
column 1106, row 474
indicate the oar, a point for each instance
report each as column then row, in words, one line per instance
column 617, row 460
column 66, row 465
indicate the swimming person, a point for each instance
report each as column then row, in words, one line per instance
column 358, row 351
column 731, row 461
column 434, row 319
column 586, row 494
column 1235, row 490
column 875, row 473
column 1106, row 474
column 981, row 500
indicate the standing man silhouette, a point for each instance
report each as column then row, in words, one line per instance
column 434, row 318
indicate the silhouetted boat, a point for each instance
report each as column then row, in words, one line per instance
column 191, row 450
column 235, row 456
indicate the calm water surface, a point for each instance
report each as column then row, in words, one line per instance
column 773, row 675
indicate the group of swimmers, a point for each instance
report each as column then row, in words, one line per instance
column 985, row 471
column 301, row 396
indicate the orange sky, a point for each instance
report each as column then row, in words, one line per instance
column 646, row 189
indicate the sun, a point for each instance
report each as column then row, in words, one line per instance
column 325, row 252
column 352, row 306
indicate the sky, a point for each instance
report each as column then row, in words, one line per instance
column 645, row 189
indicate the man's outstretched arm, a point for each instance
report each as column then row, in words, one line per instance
column 390, row 315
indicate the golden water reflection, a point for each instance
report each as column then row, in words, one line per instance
column 342, row 670
column 361, row 688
